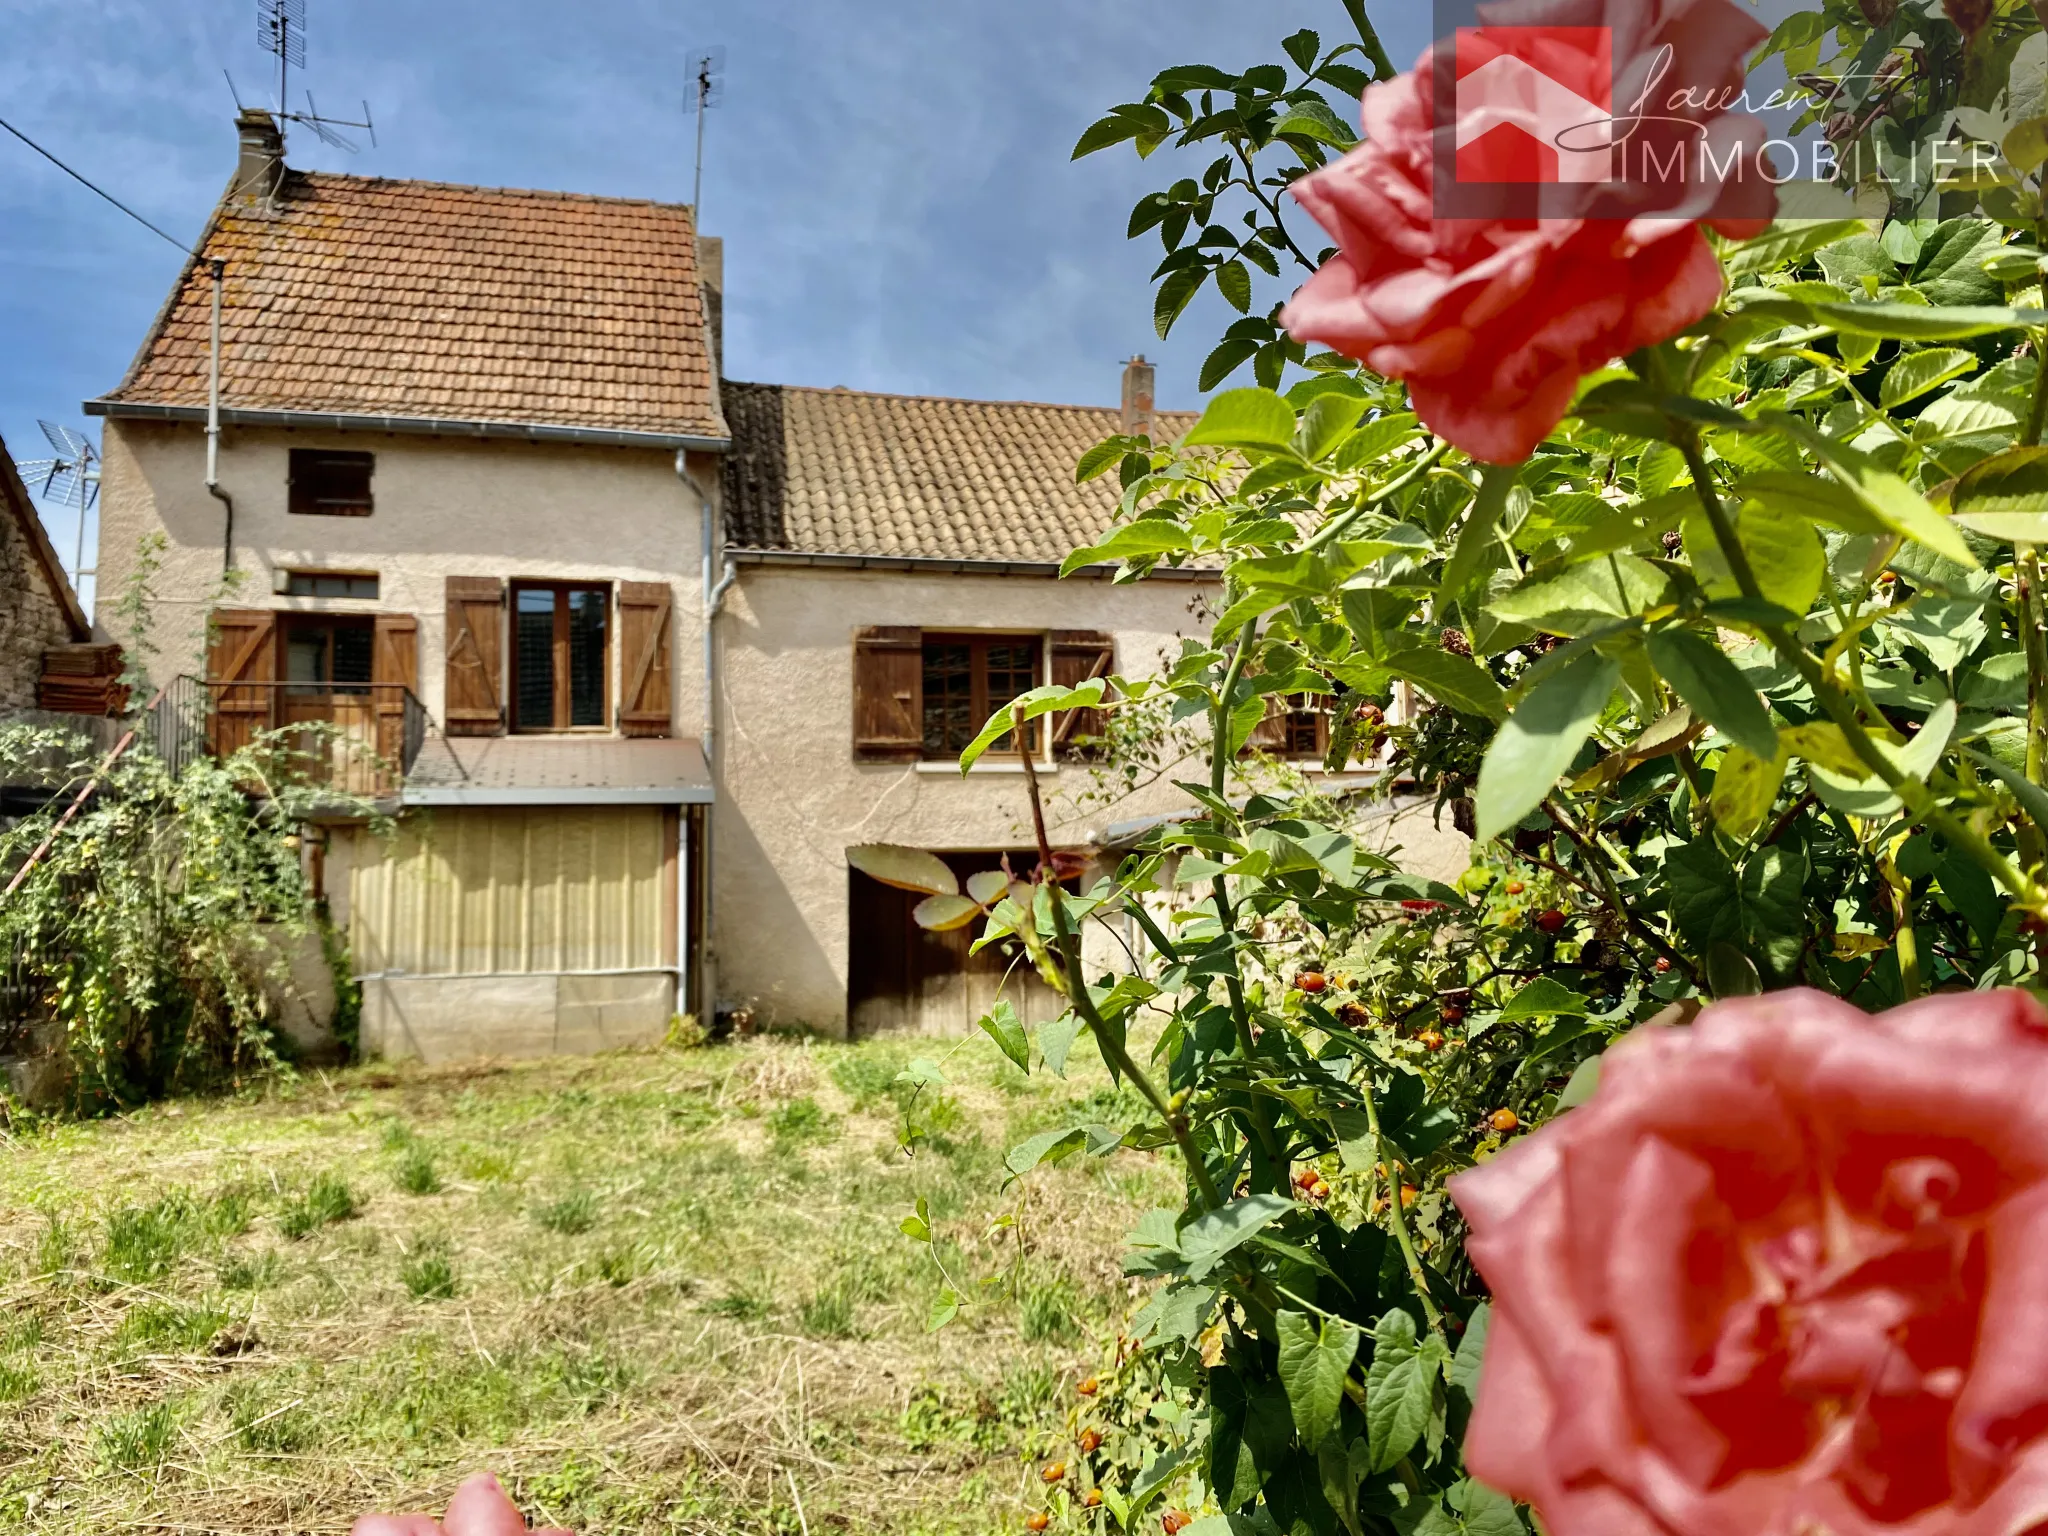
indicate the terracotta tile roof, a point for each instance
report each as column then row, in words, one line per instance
column 836, row 471
column 367, row 296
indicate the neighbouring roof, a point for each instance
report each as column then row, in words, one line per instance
column 14, row 502
column 842, row 472
column 559, row 770
column 363, row 296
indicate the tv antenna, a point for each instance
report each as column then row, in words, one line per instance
column 281, row 29
column 70, row 479
column 707, row 90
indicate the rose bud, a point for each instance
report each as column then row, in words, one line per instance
column 1503, row 1120
column 1088, row 1440
column 1091, row 1498
column 1037, row 1520
column 1088, row 1387
column 1052, row 1471
column 1552, row 921
column 1311, row 981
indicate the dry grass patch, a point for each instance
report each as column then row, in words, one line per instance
column 649, row 1290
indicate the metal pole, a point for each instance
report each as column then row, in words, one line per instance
column 697, row 192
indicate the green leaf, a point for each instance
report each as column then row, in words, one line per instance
column 1485, row 1511
column 1787, row 244
column 1400, row 1388
column 1823, row 744
column 1124, row 122
column 1002, row 1025
column 1144, row 538
column 1104, row 456
column 1782, row 545
column 918, row 1224
column 1706, row 901
column 907, row 869
column 1311, row 118
column 1884, row 495
column 945, row 1307
column 942, row 914
column 1916, row 373
column 1744, row 789
column 1586, row 597
column 1244, row 418
column 1708, row 682
column 1476, row 538
column 1056, row 1039
column 1540, row 739
column 1324, row 425
column 1039, row 701
column 1206, row 1240
column 1458, row 681
column 1228, row 357
column 2032, row 797
column 2006, row 496
column 1545, row 997
column 1892, row 322
column 1234, row 282
column 1176, row 291
column 1045, row 1147
column 1313, row 1363
column 1376, row 440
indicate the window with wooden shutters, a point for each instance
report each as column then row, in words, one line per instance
column 241, row 648
column 474, row 704
column 888, row 711
column 1296, row 727
column 966, row 679
column 645, row 621
column 394, row 671
column 326, row 482
column 1077, row 655
column 561, row 656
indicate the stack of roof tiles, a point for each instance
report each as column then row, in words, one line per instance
column 364, row 296
column 82, row 680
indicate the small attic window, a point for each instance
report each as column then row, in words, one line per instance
column 326, row 482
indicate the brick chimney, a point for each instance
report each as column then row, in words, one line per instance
column 261, row 168
column 1138, row 376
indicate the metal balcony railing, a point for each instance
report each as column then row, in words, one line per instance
column 356, row 738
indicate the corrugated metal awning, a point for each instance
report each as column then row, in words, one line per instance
column 559, row 770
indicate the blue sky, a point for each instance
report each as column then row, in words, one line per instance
column 891, row 177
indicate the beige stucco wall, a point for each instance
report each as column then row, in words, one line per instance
column 444, row 507
column 791, row 798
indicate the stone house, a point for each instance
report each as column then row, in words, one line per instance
column 40, row 610
column 638, row 651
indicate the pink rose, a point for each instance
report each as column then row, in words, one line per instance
column 479, row 1508
column 1786, row 1272
column 1492, row 321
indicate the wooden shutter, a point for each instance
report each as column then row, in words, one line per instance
column 395, row 661
column 476, row 650
column 241, row 648
column 1077, row 655
column 646, row 616
column 888, row 687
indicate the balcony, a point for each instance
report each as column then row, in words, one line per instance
column 354, row 738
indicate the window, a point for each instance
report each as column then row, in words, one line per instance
column 330, row 584
column 1307, row 727
column 966, row 679
column 328, row 657
column 561, row 667
column 326, row 482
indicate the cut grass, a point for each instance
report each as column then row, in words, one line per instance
column 327, row 1200
column 417, row 1173
column 651, row 1284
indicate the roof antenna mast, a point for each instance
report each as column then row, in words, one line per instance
column 707, row 89
column 281, row 29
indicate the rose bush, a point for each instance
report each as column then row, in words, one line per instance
column 1492, row 322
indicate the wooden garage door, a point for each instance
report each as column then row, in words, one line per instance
column 902, row 977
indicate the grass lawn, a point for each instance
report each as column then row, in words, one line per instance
column 654, row 1292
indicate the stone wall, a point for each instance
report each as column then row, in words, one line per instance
column 31, row 614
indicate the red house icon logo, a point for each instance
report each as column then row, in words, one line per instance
column 1535, row 104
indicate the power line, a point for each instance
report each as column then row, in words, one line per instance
column 101, row 191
